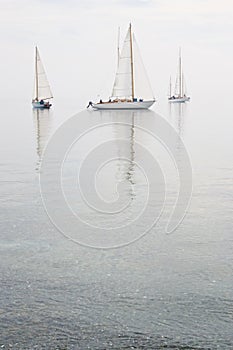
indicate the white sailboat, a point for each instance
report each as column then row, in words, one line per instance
column 180, row 93
column 42, row 89
column 131, row 88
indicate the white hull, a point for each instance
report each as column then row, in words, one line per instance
column 179, row 99
column 124, row 105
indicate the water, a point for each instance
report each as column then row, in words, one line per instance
column 162, row 291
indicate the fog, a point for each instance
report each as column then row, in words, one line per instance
column 78, row 39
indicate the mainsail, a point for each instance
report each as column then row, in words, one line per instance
column 179, row 87
column 42, row 88
column 131, row 80
column 122, row 87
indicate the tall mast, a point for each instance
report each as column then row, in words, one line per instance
column 180, row 74
column 36, row 72
column 131, row 57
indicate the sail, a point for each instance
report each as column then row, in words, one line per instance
column 131, row 78
column 184, row 85
column 143, row 88
column 42, row 88
column 122, row 87
column 179, row 87
column 169, row 92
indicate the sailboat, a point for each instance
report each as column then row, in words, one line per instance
column 131, row 88
column 180, row 94
column 42, row 89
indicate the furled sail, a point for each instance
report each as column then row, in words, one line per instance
column 42, row 88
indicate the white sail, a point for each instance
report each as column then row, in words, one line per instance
column 179, row 87
column 142, row 87
column 185, row 92
column 122, row 87
column 131, row 78
column 170, row 88
column 42, row 88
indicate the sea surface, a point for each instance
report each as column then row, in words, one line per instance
column 149, row 291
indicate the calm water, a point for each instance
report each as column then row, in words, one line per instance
column 163, row 291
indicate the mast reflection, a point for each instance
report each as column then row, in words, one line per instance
column 42, row 125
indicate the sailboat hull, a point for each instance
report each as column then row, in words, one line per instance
column 124, row 105
column 41, row 106
column 179, row 99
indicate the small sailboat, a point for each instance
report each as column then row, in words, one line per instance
column 180, row 93
column 42, row 93
column 131, row 88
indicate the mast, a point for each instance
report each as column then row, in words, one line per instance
column 36, row 72
column 131, row 58
column 180, row 74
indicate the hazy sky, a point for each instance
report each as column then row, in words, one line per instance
column 77, row 41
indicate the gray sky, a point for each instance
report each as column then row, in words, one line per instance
column 77, row 41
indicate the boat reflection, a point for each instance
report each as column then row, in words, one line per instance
column 126, row 156
column 42, row 125
column 126, row 135
column 177, row 115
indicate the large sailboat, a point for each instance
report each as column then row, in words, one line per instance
column 179, row 93
column 131, row 88
column 42, row 93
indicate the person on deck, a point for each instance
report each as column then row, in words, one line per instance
column 89, row 104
